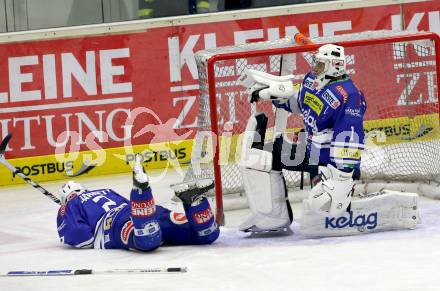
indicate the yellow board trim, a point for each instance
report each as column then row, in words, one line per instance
column 110, row 161
column 402, row 130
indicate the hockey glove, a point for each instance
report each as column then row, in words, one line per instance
column 261, row 85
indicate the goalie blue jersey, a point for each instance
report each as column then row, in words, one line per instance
column 102, row 219
column 333, row 118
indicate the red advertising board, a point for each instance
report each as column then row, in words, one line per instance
column 89, row 85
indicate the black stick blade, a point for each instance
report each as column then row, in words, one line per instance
column 85, row 168
column 4, row 143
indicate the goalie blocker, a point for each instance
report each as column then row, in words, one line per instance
column 266, row 192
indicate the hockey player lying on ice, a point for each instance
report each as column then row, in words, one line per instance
column 106, row 220
column 332, row 108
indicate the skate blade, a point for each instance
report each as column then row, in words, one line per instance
column 193, row 184
column 257, row 232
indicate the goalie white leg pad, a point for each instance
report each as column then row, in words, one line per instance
column 380, row 211
column 255, row 158
column 266, row 194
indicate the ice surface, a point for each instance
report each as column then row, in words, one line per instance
column 398, row 260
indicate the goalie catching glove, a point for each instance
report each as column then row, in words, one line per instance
column 268, row 87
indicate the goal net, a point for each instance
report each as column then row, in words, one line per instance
column 397, row 71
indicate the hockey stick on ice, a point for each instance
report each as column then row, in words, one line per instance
column 93, row 272
column 17, row 172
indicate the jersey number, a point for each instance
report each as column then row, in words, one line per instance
column 106, row 205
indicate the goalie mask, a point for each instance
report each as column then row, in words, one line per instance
column 328, row 63
column 70, row 190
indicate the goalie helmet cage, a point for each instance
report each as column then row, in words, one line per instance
column 397, row 71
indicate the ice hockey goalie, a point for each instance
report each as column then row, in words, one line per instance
column 329, row 149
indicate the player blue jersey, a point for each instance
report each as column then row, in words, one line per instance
column 103, row 219
column 77, row 219
column 333, row 119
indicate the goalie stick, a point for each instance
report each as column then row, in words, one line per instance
column 301, row 39
column 50, row 273
column 281, row 115
column 287, row 63
column 18, row 173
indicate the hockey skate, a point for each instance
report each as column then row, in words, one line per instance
column 140, row 178
column 192, row 191
column 250, row 226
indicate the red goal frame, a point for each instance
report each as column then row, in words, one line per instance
column 281, row 51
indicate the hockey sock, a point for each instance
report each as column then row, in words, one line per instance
column 202, row 220
column 147, row 232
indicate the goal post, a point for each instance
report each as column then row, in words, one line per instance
column 397, row 71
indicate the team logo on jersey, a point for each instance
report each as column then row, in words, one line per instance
column 313, row 102
column 354, row 112
column 126, row 231
column 143, row 208
column 331, row 99
column 361, row 221
column 178, row 218
column 343, row 93
column 203, row 216
column 309, row 120
column 347, row 153
column 308, row 83
column 108, row 222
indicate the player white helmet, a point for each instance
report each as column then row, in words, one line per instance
column 70, row 190
column 328, row 63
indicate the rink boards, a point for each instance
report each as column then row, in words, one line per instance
column 89, row 80
column 177, row 155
